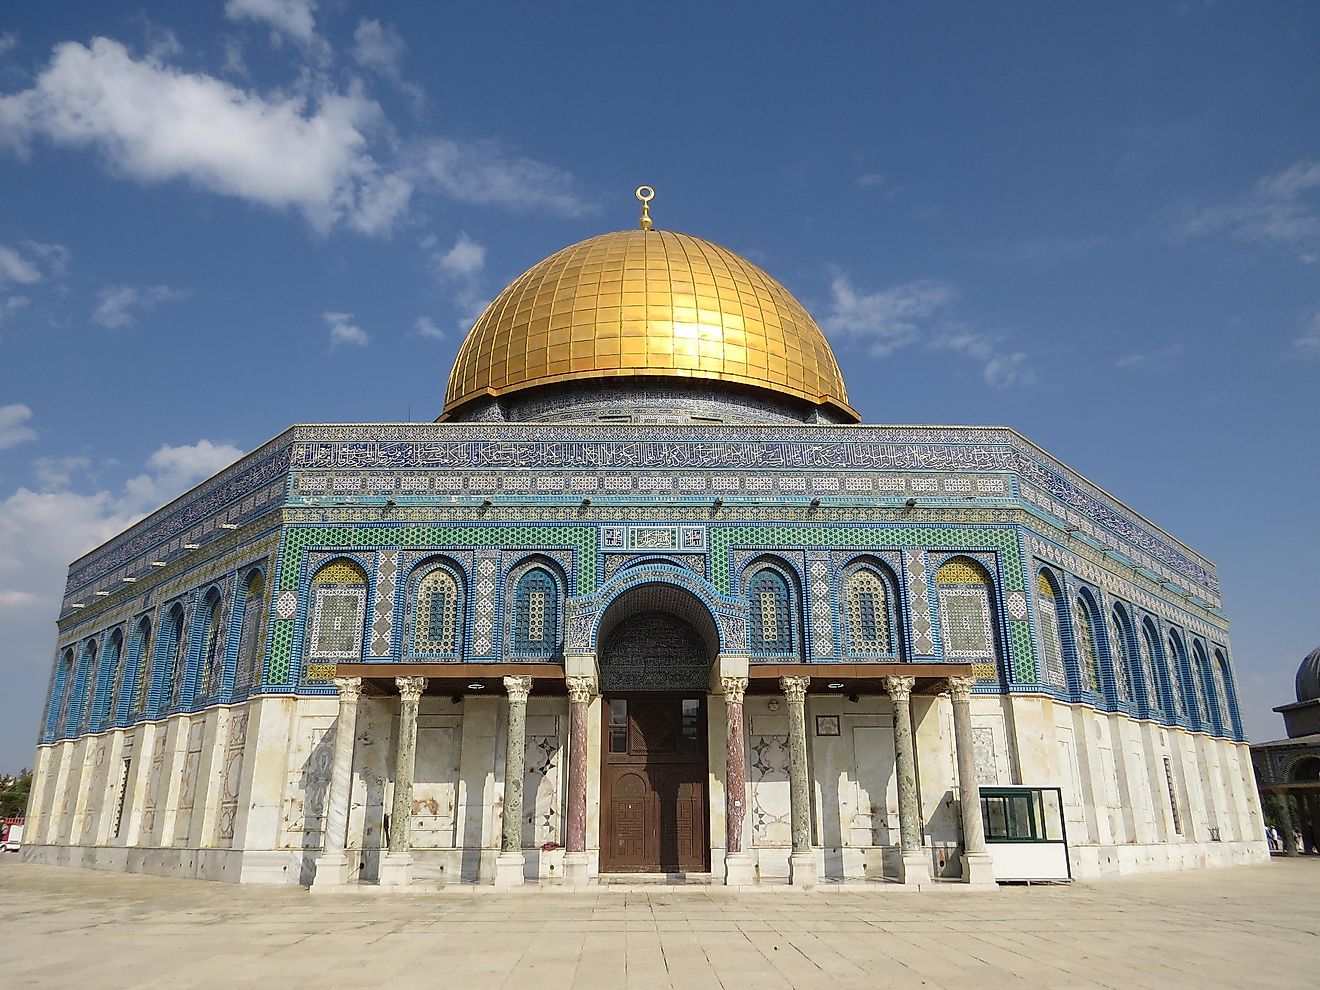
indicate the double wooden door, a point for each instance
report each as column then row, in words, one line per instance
column 654, row 816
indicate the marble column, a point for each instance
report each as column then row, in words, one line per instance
column 802, row 869
column 332, row 869
column 580, row 692
column 509, row 863
column 738, row 871
column 1289, row 837
column 977, row 866
column 396, row 865
column 914, row 861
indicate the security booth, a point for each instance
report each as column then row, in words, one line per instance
column 1025, row 833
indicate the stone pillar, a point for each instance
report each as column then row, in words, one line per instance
column 977, row 866
column 802, row 862
column 738, row 870
column 1286, row 824
column 915, row 862
column 580, row 692
column 396, row 865
column 509, row 863
column 332, row 869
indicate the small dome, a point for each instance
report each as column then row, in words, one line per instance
column 647, row 304
column 1308, row 677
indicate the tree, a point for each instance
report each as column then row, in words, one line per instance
column 14, row 798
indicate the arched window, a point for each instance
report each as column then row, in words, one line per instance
column 1150, row 665
column 66, row 691
column 116, row 660
column 869, row 612
column 90, row 671
column 769, row 613
column 175, row 649
column 252, row 639
column 1051, row 644
column 212, row 654
column 141, row 647
column 1224, row 686
column 536, row 614
column 1175, row 659
column 339, row 604
column 436, row 627
column 1088, row 657
column 1206, row 702
column 963, row 588
column 1118, row 653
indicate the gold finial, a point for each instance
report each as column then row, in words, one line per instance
column 645, row 194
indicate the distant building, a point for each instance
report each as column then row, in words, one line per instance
column 646, row 598
column 1290, row 768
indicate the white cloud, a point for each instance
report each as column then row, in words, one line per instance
column 13, row 425
column 464, row 260
column 294, row 18
column 1309, row 342
column 871, row 180
column 343, row 332
column 426, row 327
column 119, row 306
column 59, row 472
column 886, row 320
column 1282, row 209
column 7, row 42
column 918, row 314
column 485, row 172
column 1147, row 359
column 156, row 123
column 15, row 268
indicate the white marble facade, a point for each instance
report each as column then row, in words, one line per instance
column 239, row 793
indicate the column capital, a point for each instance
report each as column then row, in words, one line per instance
column 349, row 688
column 961, row 688
column 580, row 689
column 900, row 687
column 734, row 688
column 410, row 688
column 518, row 688
column 794, row 688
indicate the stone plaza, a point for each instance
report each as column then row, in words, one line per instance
column 1242, row 927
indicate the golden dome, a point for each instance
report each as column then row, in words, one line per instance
column 646, row 304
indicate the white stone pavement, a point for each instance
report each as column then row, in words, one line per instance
column 1243, row 927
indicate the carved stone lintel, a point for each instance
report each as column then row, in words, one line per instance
column 410, row 688
column 794, row 688
column 900, row 688
column 580, row 689
column 960, row 688
column 349, row 688
column 518, row 689
column 734, row 689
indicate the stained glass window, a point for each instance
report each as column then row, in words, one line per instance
column 436, row 624
column 1088, row 659
column 212, row 653
column 771, row 627
column 1047, row 616
column 868, row 613
column 1175, row 675
column 536, row 614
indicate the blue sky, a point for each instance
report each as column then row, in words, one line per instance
column 1099, row 225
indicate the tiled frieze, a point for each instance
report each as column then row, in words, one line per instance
column 382, row 622
column 919, row 602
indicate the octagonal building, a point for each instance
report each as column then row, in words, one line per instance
column 646, row 598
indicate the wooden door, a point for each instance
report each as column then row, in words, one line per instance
column 653, row 790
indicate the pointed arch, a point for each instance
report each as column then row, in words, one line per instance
column 112, row 662
column 1176, row 657
column 967, row 615
column 89, row 674
column 338, row 613
column 1211, row 715
column 211, row 646
column 1121, row 654
column 1154, row 671
column 141, row 647
column 774, row 626
column 534, row 603
column 1049, row 596
column 251, row 605
column 1085, row 621
column 1224, row 682
column 869, row 602
column 172, row 646
column 435, row 610
column 65, row 688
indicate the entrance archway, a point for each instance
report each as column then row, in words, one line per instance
column 656, row 644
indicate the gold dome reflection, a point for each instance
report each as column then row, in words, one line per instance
column 646, row 304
